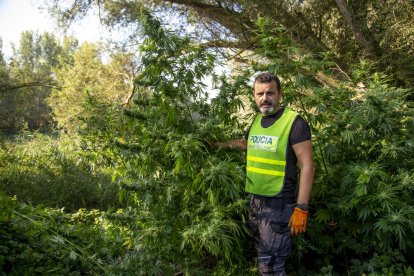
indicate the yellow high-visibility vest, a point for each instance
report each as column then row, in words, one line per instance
column 266, row 155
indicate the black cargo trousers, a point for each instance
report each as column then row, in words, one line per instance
column 271, row 233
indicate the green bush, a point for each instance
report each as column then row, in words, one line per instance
column 45, row 169
column 52, row 242
column 363, row 194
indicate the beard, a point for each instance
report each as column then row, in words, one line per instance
column 268, row 110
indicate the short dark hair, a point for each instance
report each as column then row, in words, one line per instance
column 266, row 78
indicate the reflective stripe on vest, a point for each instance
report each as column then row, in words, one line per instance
column 266, row 155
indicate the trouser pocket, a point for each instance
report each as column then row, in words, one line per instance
column 279, row 221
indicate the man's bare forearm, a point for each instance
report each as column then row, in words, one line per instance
column 305, row 184
column 232, row 144
column 304, row 154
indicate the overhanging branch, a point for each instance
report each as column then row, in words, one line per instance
column 30, row 85
column 230, row 19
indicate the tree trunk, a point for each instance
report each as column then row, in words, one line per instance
column 361, row 39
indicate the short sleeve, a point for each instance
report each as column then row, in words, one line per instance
column 300, row 131
column 246, row 134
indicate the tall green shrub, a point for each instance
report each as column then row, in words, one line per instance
column 191, row 209
column 363, row 202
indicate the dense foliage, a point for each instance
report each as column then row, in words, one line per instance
column 189, row 199
column 363, row 207
column 41, row 169
column 51, row 242
column 183, row 206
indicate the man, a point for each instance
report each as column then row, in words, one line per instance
column 276, row 142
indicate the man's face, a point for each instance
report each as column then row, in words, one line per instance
column 267, row 97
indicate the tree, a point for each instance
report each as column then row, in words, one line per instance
column 30, row 79
column 4, row 74
column 354, row 31
column 87, row 80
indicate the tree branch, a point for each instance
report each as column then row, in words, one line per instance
column 230, row 19
column 225, row 44
column 30, row 84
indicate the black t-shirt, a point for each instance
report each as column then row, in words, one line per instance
column 299, row 132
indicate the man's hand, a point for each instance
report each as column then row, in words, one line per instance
column 298, row 221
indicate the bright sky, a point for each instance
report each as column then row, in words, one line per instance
column 17, row 16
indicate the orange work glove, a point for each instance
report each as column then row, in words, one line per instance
column 298, row 221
